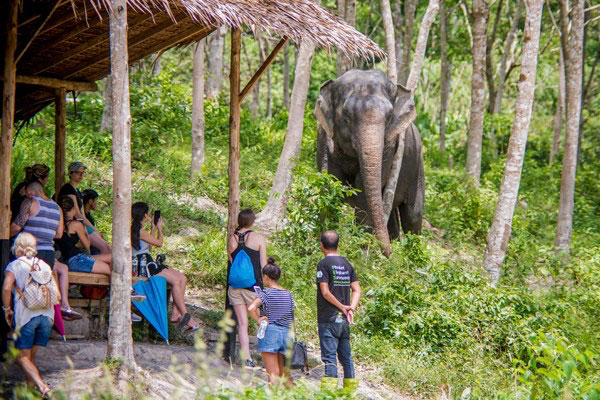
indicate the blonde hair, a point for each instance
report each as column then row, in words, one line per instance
column 25, row 245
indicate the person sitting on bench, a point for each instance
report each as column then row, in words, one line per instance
column 90, row 202
column 75, row 242
column 141, row 240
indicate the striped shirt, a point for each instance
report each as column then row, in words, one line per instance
column 278, row 306
column 43, row 226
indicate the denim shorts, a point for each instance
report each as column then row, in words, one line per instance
column 275, row 340
column 34, row 333
column 81, row 263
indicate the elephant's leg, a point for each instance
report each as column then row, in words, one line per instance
column 394, row 224
column 411, row 218
column 323, row 148
column 359, row 202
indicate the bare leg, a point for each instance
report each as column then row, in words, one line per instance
column 26, row 363
column 99, row 243
column 107, row 258
column 62, row 273
column 100, row 267
column 272, row 365
column 284, row 372
column 241, row 312
column 178, row 282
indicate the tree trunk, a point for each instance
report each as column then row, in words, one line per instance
column 60, row 137
column 480, row 16
column 346, row 11
column 274, row 211
column 390, row 45
column 120, row 341
column 444, row 74
column 510, row 38
column 9, row 77
column 410, row 7
column 398, row 30
column 499, row 234
column 156, row 69
column 233, row 199
column 560, row 108
column 286, row 76
column 214, row 78
column 488, row 57
column 263, row 45
column 106, row 123
column 413, row 78
column 198, row 108
column 572, row 49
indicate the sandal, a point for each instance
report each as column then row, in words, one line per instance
column 70, row 315
column 183, row 322
column 191, row 329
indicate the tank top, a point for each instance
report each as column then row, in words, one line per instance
column 43, row 225
column 254, row 257
column 144, row 248
column 68, row 244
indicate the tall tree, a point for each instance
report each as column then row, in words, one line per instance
column 120, row 341
column 496, row 104
column 410, row 8
column 274, row 211
column 480, row 15
column 398, row 30
column 491, row 39
column 346, row 11
column 560, row 108
column 572, row 44
column 499, row 234
column 444, row 73
column 214, row 78
column 286, row 76
column 390, row 45
column 198, row 108
column 106, row 122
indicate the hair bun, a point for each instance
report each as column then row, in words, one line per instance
column 271, row 260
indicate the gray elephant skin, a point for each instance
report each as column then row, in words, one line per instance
column 361, row 116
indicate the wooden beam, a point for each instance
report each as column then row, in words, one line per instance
column 73, row 32
column 233, row 201
column 262, row 68
column 8, row 116
column 80, row 86
column 105, row 55
column 87, row 45
column 56, row 5
column 60, row 135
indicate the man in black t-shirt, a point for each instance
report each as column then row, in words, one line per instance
column 335, row 312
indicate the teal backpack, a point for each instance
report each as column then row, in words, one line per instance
column 241, row 273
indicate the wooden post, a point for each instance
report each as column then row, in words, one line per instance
column 233, row 202
column 8, row 117
column 120, row 341
column 60, row 117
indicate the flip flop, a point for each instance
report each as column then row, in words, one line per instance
column 70, row 315
column 191, row 329
column 183, row 322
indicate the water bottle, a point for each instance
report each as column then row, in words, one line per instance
column 143, row 269
column 262, row 329
column 134, row 266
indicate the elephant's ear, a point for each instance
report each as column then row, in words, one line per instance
column 324, row 109
column 403, row 115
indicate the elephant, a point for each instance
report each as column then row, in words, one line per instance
column 361, row 116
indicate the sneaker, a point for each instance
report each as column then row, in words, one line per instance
column 135, row 318
column 136, row 296
column 249, row 364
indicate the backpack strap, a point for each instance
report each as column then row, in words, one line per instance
column 242, row 238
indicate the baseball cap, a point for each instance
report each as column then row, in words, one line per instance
column 75, row 166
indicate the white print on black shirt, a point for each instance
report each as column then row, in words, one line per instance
column 341, row 276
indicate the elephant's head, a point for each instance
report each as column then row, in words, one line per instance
column 363, row 112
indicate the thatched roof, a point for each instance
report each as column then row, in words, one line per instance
column 68, row 39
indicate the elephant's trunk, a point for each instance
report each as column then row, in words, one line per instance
column 370, row 155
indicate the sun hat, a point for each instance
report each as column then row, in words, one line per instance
column 75, row 166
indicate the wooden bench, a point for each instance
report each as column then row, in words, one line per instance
column 97, row 309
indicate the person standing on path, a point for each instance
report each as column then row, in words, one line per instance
column 336, row 278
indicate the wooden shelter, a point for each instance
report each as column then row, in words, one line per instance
column 50, row 47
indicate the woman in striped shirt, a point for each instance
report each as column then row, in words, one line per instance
column 279, row 309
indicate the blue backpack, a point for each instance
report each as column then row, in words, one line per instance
column 241, row 273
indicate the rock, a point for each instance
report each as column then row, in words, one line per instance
column 189, row 231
